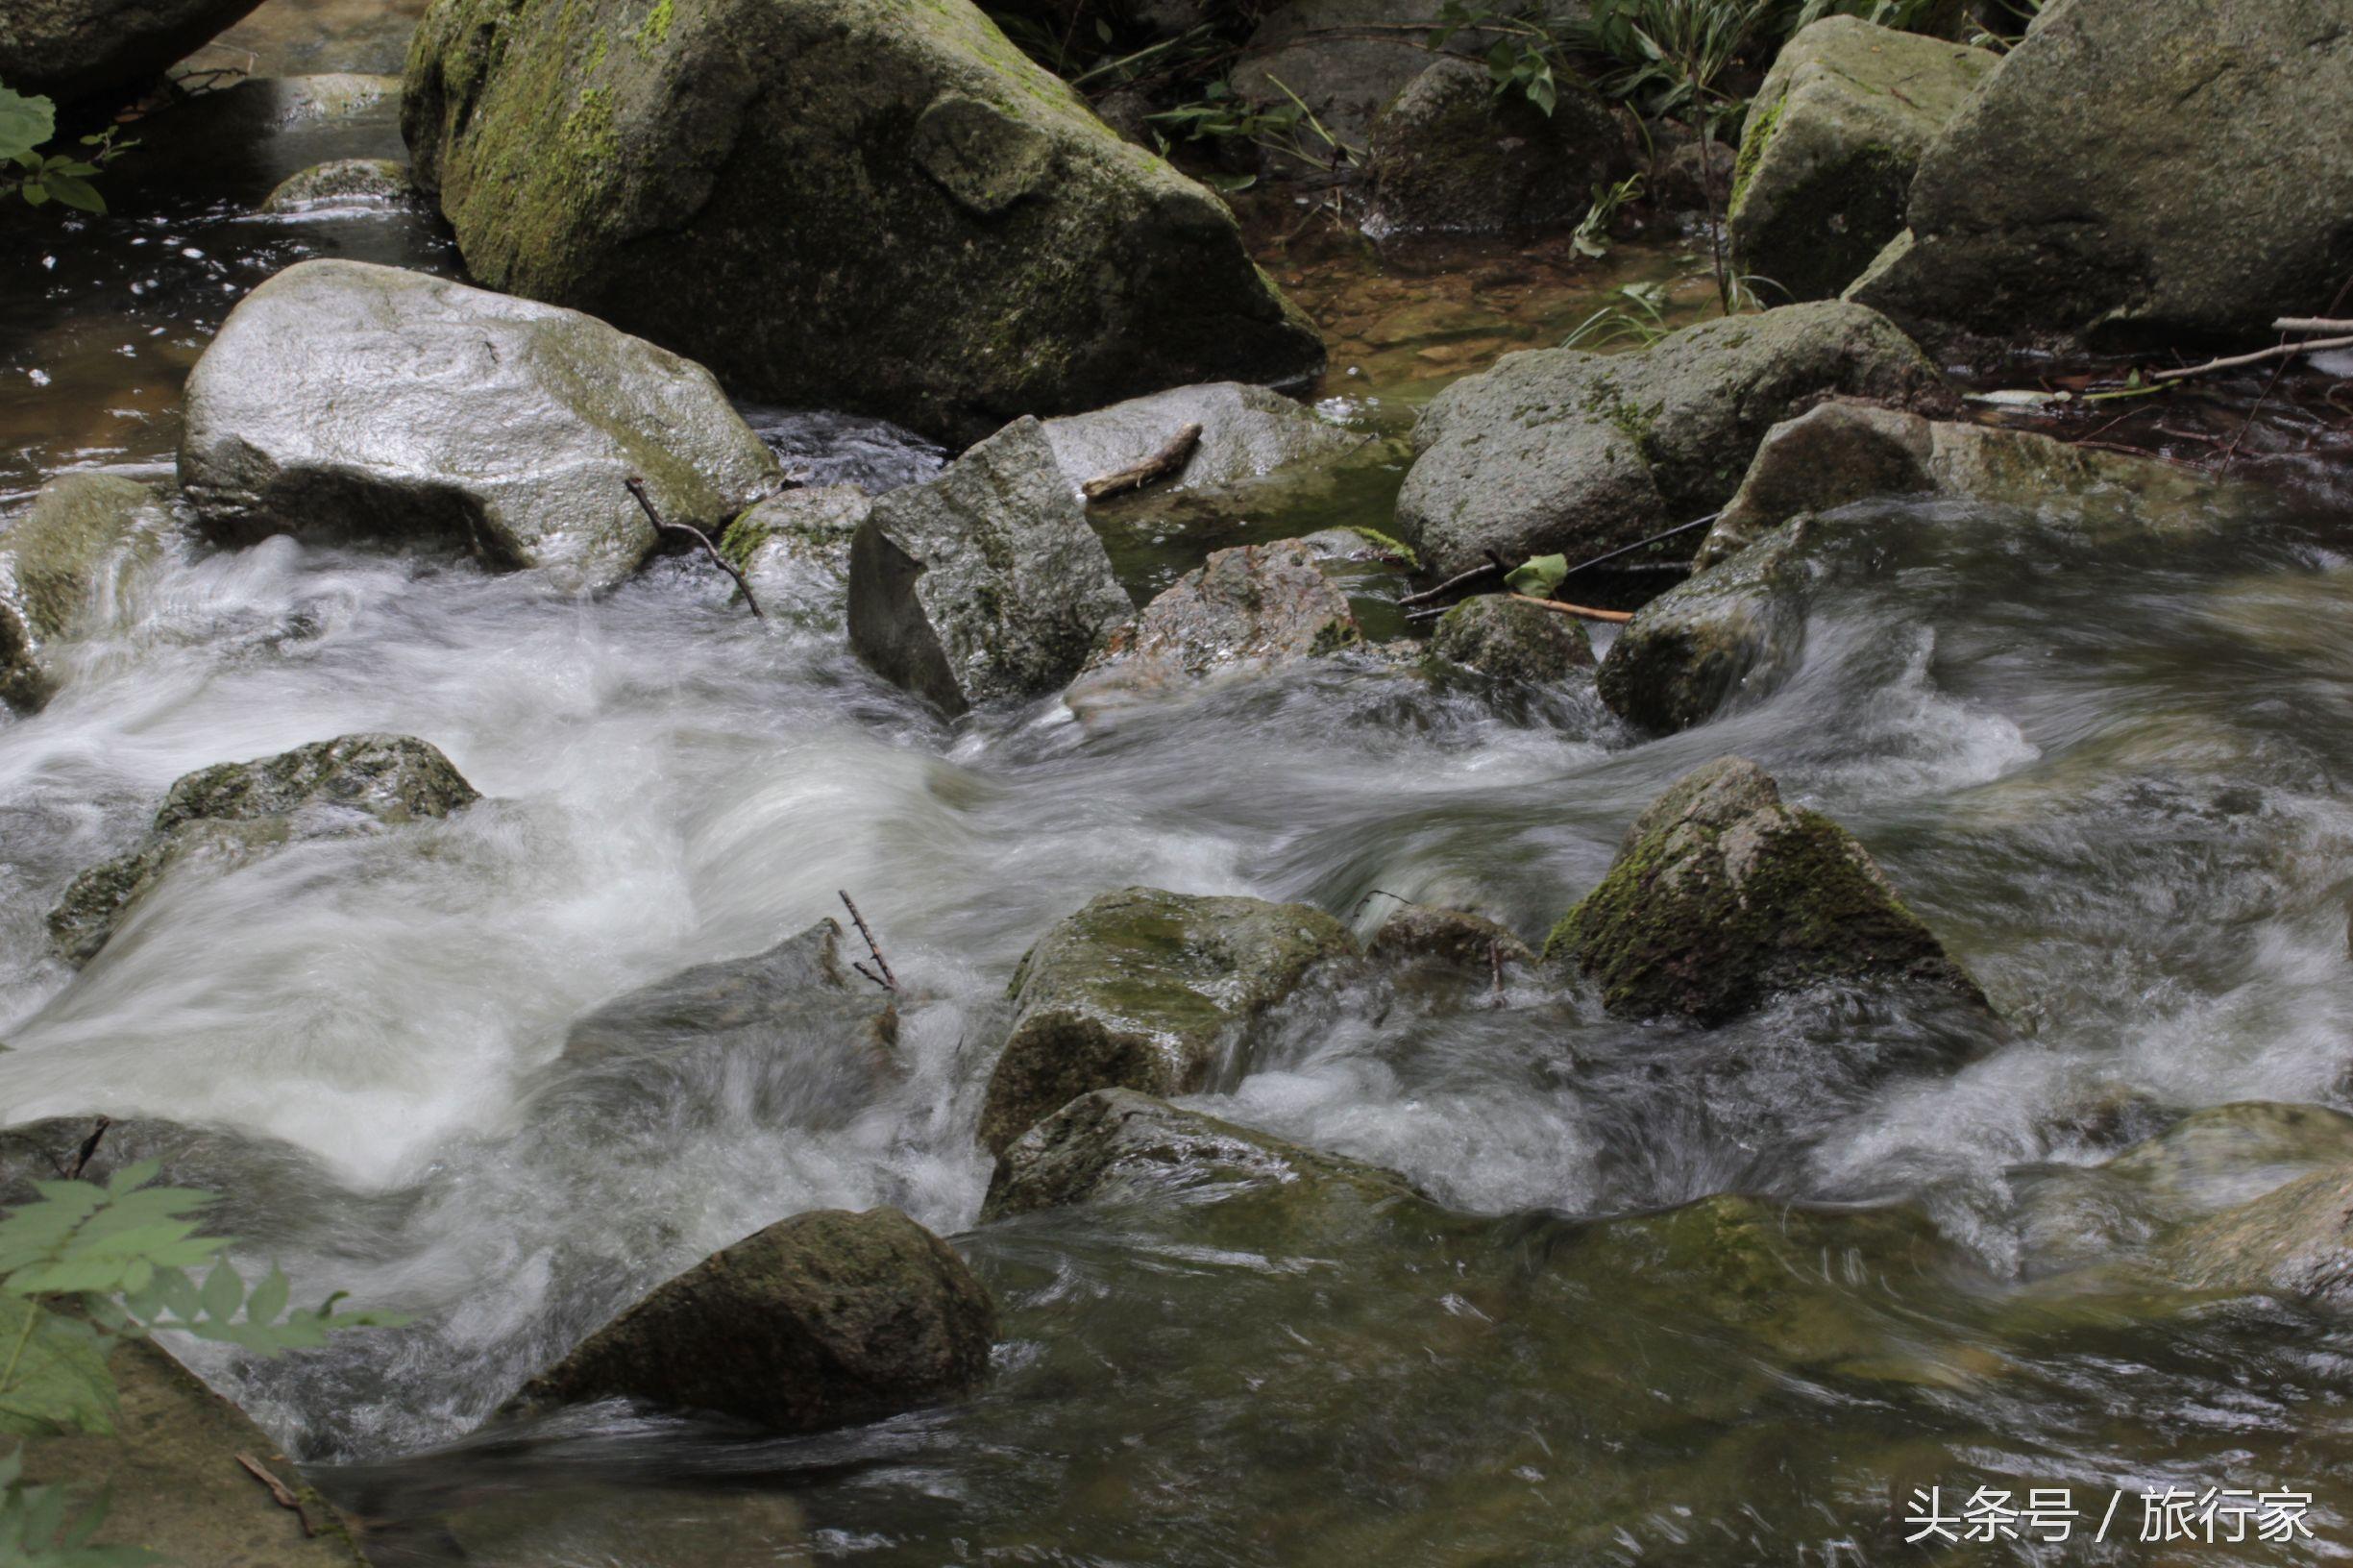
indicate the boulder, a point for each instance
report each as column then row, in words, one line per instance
column 1424, row 934
column 1150, row 991
column 1114, row 1146
column 2295, row 1241
column 346, row 181
column 1450, row 154
column 2138, row 176
column 1250, row 609
column 1831, row 144
column 1246, row 431
column 400, row 406
column 880, row 206
column 269, row 1193
column 985, row 583
column 826, row 1319
column 1558, row 450
column 73, row 50
column 1721, row 897
column 234, row 811
column 71, row 552
column 1505, row 639
column 794, row 550
column 1728, row 634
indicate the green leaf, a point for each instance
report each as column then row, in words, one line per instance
column 269, row 1298
column 1537, row 576
column 223, row 1292
column 25, row 122
column 76, row 192
column 61, row 1383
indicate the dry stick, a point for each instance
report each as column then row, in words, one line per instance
column 637, row 488
column 2311, row 324
column 1159, row 466
column 279, row 1491
column 2283, row 351
column 1449, row 585
column 886, row 980
column 1615, row 618
column 89, row 1146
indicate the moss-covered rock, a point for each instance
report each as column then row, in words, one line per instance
column 73, row 50
column 1505, row 639
column 1558, row 450
column 985, row 583
column 1246, row 432
column 1451, row 154
column 1722, row 897
column 233, row 811
column 794, row 550
column 873, row 205
column 825, row 1319
column 346, row 181
column 1831, row 140
column 1729, row 633
column 1149, row 990
column 73, row 549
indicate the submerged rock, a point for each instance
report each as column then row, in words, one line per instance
column 826, row 1319
column 794, row 550
column 72, row 50
column 72, row 549
column 269, row 1192
column 400, row 406
column 873, row 205
column 1831, row 144
column 1722, row 896
column 2228, row 1154
column 1559, row 450
column 1257, row 607
column 1731, row 632
column 1451, row 154
column 347, row 182
column 1114, row 1146
column 230, row 813
column 1453, row 938
column 2295, row 1241
column 1148, row 991
column 986, row 582
column 1505, row 639
column 2138, row 175
column 1246, row 431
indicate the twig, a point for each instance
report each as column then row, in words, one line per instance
column 1495, row 961
column 279, row 1491
column 1377, row 893
column 1615, row 618
column 886, row 979
column 1495, row 563
column 1159, row 466
column 637, row 488
column 1449, row 585
column 2282, row 351
column 89, row 1146
column 2311, row 324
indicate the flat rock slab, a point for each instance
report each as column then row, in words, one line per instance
column 1246, row 431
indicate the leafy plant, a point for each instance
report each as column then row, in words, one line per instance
column 1538, row 576
column 1641, row 321
column 1592, row 234
column 26, row 122
column 1290, row 128
column 1524, row 55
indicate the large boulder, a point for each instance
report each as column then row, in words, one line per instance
column 1733, row 631
column 231, row 812
column 794, row 550
column 1831, row 144
column 826, row 1319
column 1721, row 897
column 75, row 549
column 1505, row 639
column 400, row 406
column 1149, row 990
column 1246, row 431
column 2138, row 175
column 985, row 583
column 1559, row 450
column 873, row 205
column 1451, row 154
column 72, row 50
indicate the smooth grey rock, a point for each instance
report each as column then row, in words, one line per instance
column 794, row 550
column 1505, row 639
column 405, row 406
column 2295, row 1241
column 985, row 583
column 1558, row 450
column 72, row 50
column 1732, row 632
column 1246, row 431
column 1450, row 155
column 347, row 182
column 77, row 548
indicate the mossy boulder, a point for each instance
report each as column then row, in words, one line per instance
column 389, row 404
column 880, row 206
column 346, row 181
column 1246, row 432
column 1450, row 154
column 1557, row 450
column 2137, row 175
column 230, row 813
column 794, row 550
column 826, row 1319
column 76, row 547
column 1831, row 144
column 1726, row 635
column 1505, row 639
column 1722, row 897
column 73, row 50
column 1150, row 991
column 985, row 583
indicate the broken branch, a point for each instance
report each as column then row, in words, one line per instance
column 1615, row 618
column 637, row 488
column 2283, row 351
column 2311, row 324
column 1159, row 466
column 280, row 1492
column 886, row 979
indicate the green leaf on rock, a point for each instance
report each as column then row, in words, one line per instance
column 1537, row 576
column 25, row 122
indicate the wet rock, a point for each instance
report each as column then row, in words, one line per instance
column 2133, row 175
column 74, row 548
column 400, row 406
column 1502, row 638
column 1722, row 897
column 1562, row 451
column 1831, row 144
column 1251, row 609
column 230, row 813
column 1846, row 451
column 1695, row 175
column 72, row 50
column 1726, row 635
column 826, row 1319
column 1149, row 990
column 1114, row 1146
column 985, row 583
column 2228, row 1154
column 794, row 550
column 1246, row 431
column 897, row 211
column 1419, row 934
column 2295, row 1241
column 347, row 182
column 1450, row 154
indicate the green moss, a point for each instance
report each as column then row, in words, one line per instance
column 1753, row 142
column 654, row 30
column 1388, row 546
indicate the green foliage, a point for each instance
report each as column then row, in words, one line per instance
column 1641, row 321
column 25, row 124
column 1290, row 128
column 1538, row 576
column 1524, row 57
column 37, row 1532
column 1592, row 236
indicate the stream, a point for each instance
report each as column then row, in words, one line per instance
column 2110, row 777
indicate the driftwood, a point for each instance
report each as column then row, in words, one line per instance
column 1582, row 612
column 637, row 488
column 1153, row 469
column 2311, row 324
column 886, row 979
column 280, row 1492
column 2282, row 351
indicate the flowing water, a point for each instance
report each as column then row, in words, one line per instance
column 2107, row 773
